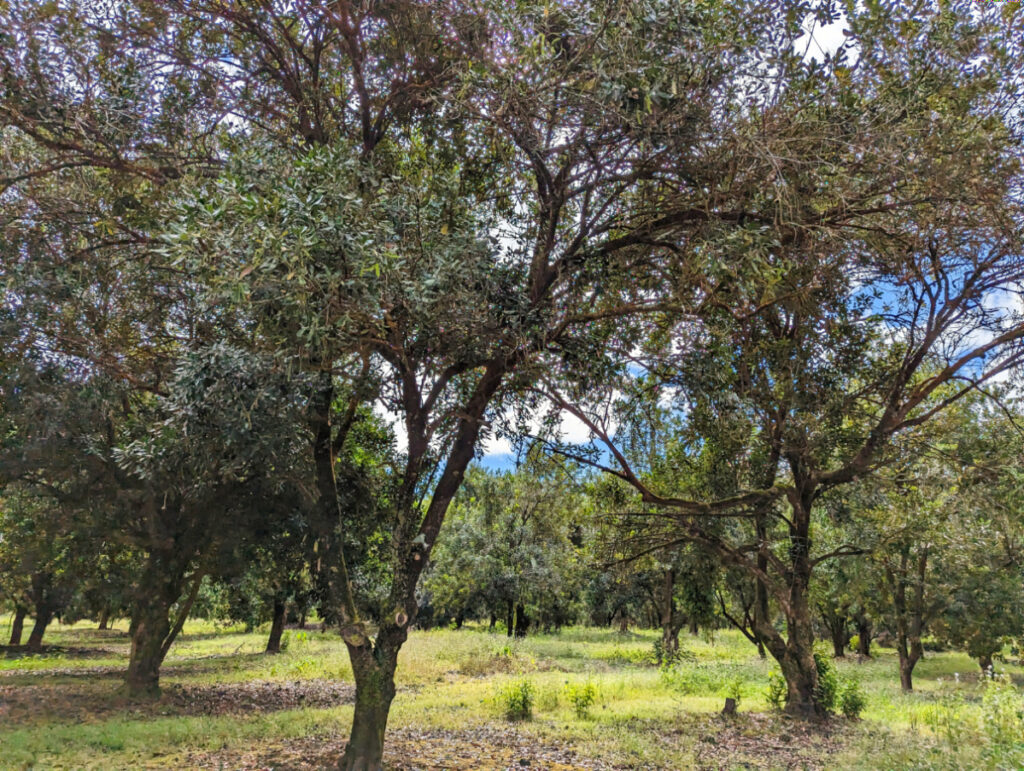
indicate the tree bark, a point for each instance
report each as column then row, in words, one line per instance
column 522, row 621
column 510, row 618
column 864, row 633
column 836, row 623
column 277, row 626
column 795, row 654
column 986, row 663
column 104, row 618
column 151, row 631
column 909, row 615
column 373, row 666
column 671, row 619
column 18, row 625
column 44, row 615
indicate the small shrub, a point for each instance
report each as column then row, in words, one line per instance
column 582, row 697
column 854, row 642
column 851, row 698
column 828, row 681
column 776, row 691
column 286, row 640
column 516, row 700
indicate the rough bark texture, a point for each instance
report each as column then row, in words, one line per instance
column 104, row 618
column 151, row 630
column 152, row 633
column 18, row 625
column 795, row 654
column 277, row 626
column 374, row 668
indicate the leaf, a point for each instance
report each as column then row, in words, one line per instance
column 246, row 271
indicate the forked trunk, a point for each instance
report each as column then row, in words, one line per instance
column 374, row 670
column 44, row 616
column 18, row 625
column 277, row 627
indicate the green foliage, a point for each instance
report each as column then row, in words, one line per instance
column 1002, row 711
column 828, row 681
column 582, row 697
column 777, row 691
column 850, row 698
column 515, row 699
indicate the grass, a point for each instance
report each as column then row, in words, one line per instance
column 226, row 704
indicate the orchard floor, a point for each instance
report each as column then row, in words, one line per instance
column 225, row 705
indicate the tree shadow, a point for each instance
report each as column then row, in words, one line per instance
column 92, row 701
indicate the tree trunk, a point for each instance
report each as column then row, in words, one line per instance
column 494, row 621
column 374, row 669
column 909, row 615
column 277, row 626
column 152, row 627
column 839, row 639
column 864, row 632
column 671, row 619
column 44, row 615
column 985, row 661
column 796, row 654
column 510, row 619
column 522, row 621
column 104, row 618
column 18, row 625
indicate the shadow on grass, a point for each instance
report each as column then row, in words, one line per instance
column 95, row 701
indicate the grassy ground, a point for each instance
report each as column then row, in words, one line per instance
column 226, row 705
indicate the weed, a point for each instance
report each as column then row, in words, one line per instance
column 516, row 700
column 582, row 697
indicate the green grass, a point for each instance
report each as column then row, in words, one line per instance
column 642, row 718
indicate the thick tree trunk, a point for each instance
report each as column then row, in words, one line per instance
column 277, row 626
column 152, row 627
column 18, row 625
column 374, row 670
column 986, row 663
column 494, row 620
column 795, row 654
column 44, row 615
column 104, row 618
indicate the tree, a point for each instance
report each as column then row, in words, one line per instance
column 509, row 548
column 846, row 334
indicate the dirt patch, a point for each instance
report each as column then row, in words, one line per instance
column 765, row 741
column 488, row 748
column 79, row 704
